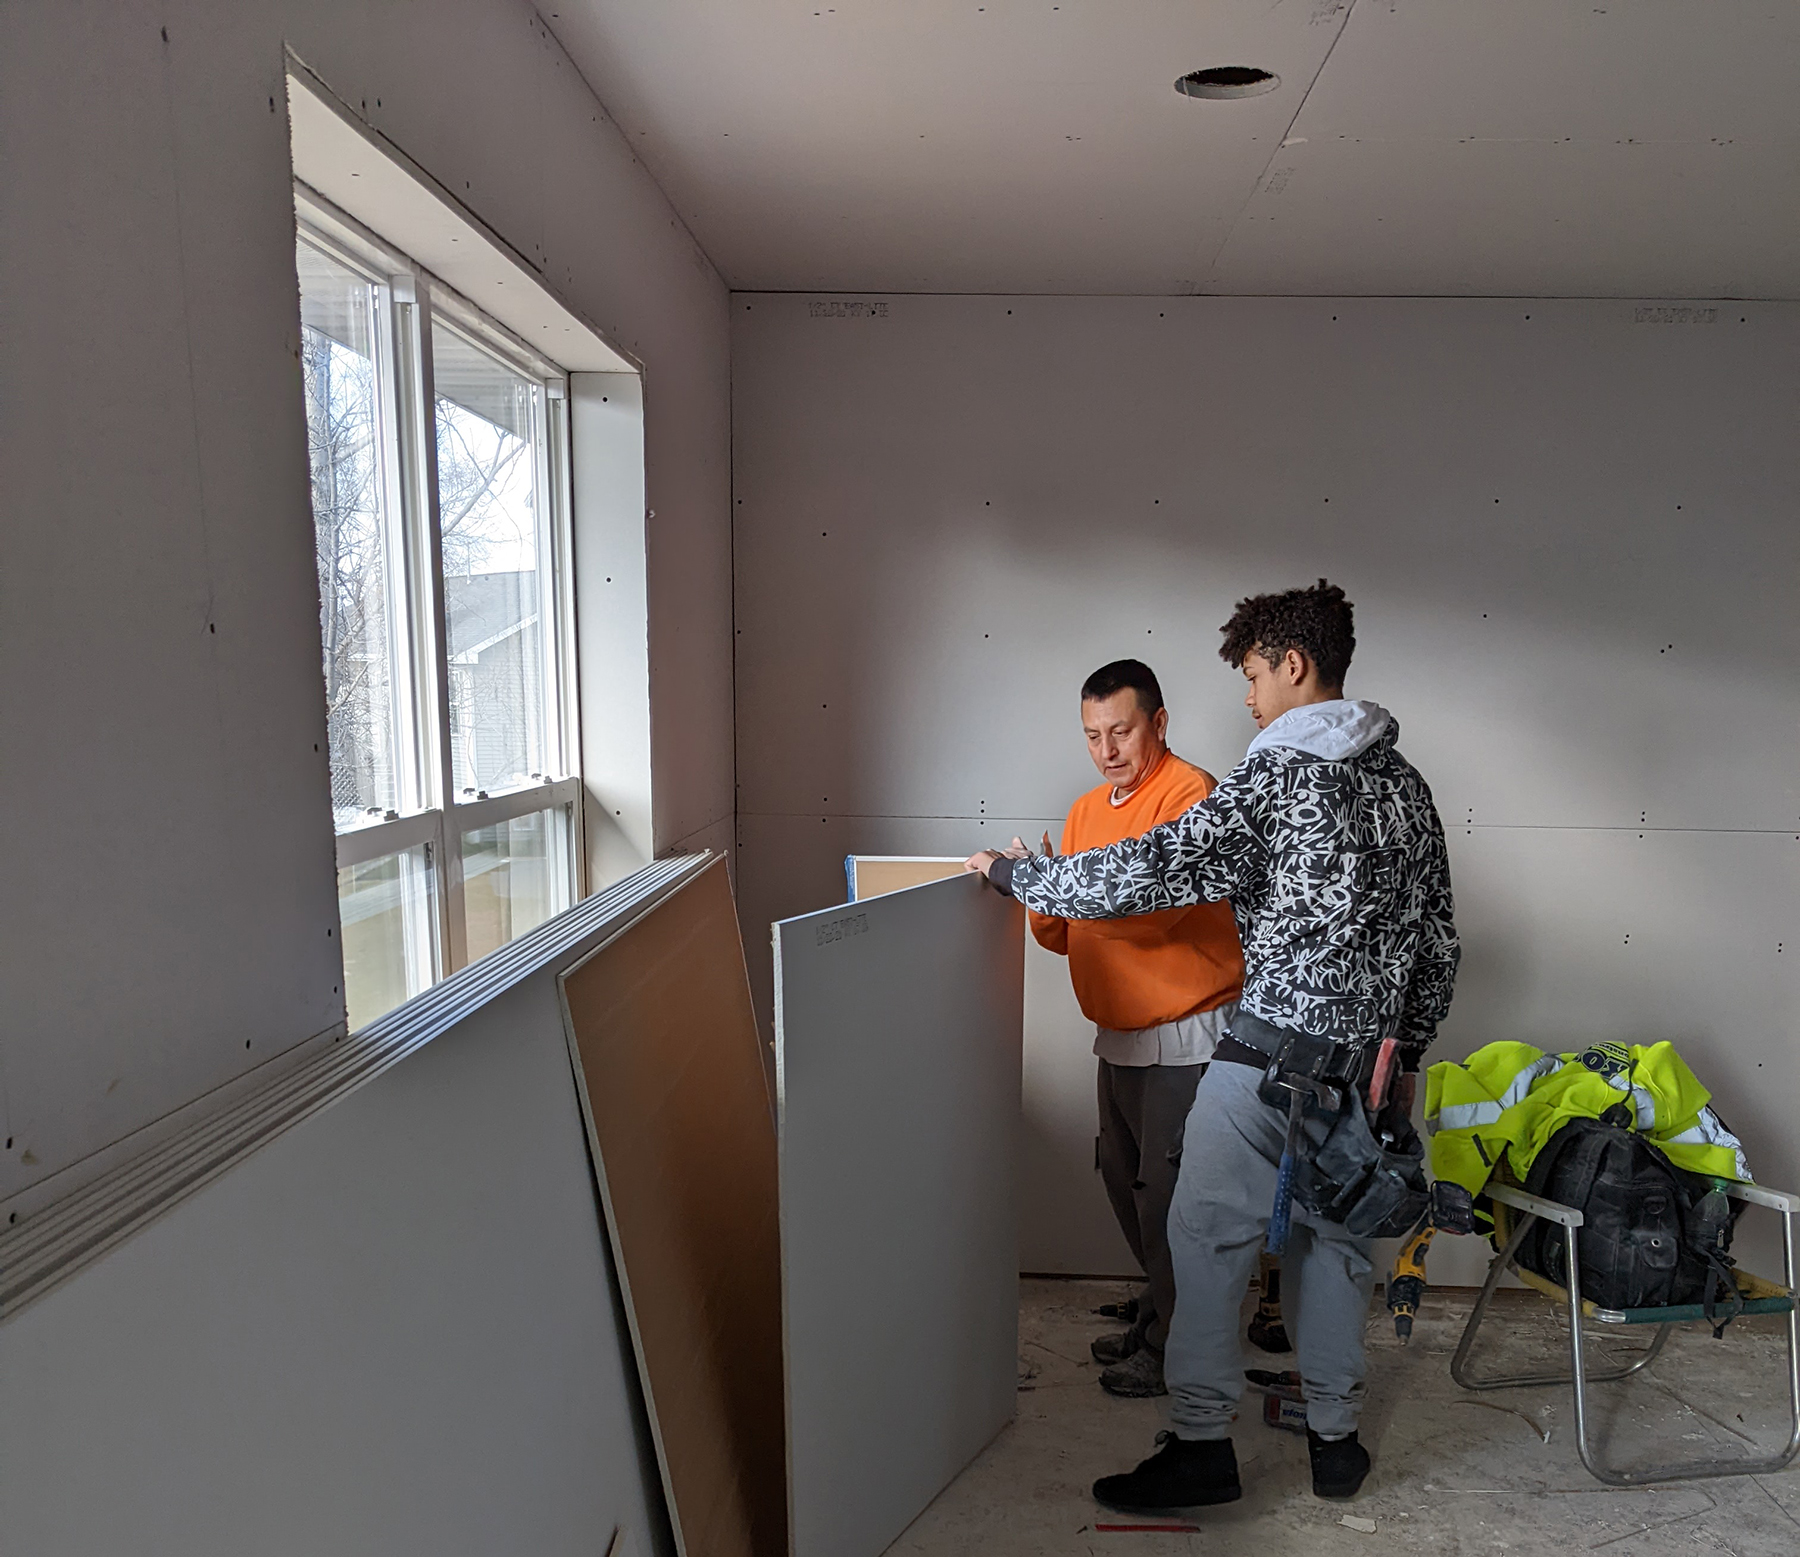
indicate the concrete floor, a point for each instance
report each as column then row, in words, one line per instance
column 1455, row 1473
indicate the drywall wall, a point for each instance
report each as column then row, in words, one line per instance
column 897, row 1062
column 394, row 1329
column 172, row 920
column 1568, row 530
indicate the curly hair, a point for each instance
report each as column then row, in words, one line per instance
column 1319, row 622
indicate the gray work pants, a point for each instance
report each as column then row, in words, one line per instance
column 1143, row 1110
column 1216, row 1226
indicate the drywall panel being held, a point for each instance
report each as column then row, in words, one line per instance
column 670, row 1072
column 897, row 1060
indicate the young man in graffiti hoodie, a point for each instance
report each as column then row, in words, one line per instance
column 1326, row 841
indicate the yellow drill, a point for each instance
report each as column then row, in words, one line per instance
column 1406, row 1284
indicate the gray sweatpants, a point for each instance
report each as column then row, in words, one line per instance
column 1217, row 1223
column 1143, row 1111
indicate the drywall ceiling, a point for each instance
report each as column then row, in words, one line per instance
column 1638, row 148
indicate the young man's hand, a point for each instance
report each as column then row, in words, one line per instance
column 982, row 862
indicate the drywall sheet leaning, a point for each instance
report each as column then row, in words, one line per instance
column 897, row 1041
column 871, row 875
column 672, row 1088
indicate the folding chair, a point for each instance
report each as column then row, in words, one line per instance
column 1760, row 1297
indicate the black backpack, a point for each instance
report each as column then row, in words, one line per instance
column 1653, row 1235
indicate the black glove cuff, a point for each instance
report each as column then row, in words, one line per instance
column 1000, row 874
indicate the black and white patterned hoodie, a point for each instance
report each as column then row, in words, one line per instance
column 1327, row 843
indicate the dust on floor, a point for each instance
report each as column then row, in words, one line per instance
column 1456, row 1474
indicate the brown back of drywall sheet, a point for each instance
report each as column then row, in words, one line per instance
column 671, row 1078
column 873, row 874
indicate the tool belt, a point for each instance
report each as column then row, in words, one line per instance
column 1365, row 1171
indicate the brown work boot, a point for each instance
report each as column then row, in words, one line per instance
column 1138, row 1377
column 1108, row 1349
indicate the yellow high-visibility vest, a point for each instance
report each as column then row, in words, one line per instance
column 1508, row 1099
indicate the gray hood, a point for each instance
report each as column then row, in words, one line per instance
column 1337, row 730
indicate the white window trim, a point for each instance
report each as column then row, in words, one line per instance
column 413, row 296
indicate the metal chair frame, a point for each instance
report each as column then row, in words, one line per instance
column 1533, row 1208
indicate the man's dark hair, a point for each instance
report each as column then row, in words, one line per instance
column 1319, row 622
column 1119, row 675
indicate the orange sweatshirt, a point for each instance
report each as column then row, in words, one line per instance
column 1145, row 969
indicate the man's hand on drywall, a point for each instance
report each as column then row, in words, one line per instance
column 1018, row 849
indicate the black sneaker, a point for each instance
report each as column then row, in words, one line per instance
column 1183, row 1473
column 1109, row 1349
column 1338, row 1467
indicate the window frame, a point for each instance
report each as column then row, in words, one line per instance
column 409, row 299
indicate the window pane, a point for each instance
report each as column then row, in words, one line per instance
column 489, row 430
column 343, row 423
column 514, row 878
column 387, row 912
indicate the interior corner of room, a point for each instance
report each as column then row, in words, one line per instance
column 538, row 537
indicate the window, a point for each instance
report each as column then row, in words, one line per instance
column 438, row 453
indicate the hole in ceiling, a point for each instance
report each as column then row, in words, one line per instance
column 1228, row 81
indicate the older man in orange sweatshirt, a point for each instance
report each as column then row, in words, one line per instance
column 1158, row 987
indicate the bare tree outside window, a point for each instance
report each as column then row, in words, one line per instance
column 454, row 818
column 342, row 420
column 487, row 434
